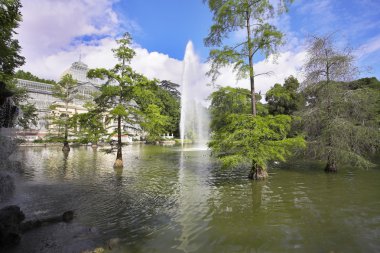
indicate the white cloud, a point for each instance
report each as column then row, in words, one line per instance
column 50, row 44
column 286, row 64
column 52, row 26
column 372, row 46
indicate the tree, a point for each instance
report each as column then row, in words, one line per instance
column 284, row 99
column 10, row 59
column 121, row 91
column 228, row 100
column 160, row 107
column 238, row 138
column 153, row 122
column 335, row 117
column 20, row 74
column 170, row 99
column 251, row 17
column 255, row 141
column 90, row 124
column 29, row 116
column 172, row 88
column 65, row 90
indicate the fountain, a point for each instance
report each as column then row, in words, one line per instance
column 194, row 124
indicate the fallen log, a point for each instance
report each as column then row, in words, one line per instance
column 11, row 225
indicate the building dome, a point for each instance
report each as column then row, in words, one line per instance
column 78, row 70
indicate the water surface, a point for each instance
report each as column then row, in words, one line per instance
column 168, row 200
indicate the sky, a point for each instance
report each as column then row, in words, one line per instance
column 55, row 33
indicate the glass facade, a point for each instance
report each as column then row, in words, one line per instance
column 41, row 94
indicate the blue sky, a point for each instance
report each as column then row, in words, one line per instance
column 166, row 26
column 54, row 32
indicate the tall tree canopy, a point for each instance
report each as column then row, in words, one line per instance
column 10, row 58
column 65, row 90
column 123, row 93
column 116, row 94
column 252, row 18
column 160, row 103
column 91, row 125
column 335, row 117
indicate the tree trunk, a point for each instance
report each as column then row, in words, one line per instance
column 94, row 144
column 253, row 97
column 331, row 161
column 251, row 73
column 66, row 147
column 331, row 165
column 258, row 173
column 119, row 156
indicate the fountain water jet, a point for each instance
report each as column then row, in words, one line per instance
column 195, row 120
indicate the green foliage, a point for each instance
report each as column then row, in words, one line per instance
column 116, row 93
column 238, row 138
column 20, row 74
column 91, row 127
column 338, row 121
column 154, row 123
column 258, row 140
column 229, row 100
column 119, row 110
column 342, row 123
column 369, row 82
column 165, row 96
column 172, row 88
column 252, row 17
column 131, row 97
column 124, row 53
column 19, row 94
column 284, row 99
column 10, row 59
column 65, row 89
column 29, row 116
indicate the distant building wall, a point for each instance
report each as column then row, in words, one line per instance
column 41, row 95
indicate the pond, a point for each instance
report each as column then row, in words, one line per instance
column 171, row 200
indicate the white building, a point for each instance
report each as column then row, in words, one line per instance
column 41, row 95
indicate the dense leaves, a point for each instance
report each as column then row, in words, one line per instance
column 29, row 116
column 130, row 98
column 255, row 140
column 342, row 123
column 65, row 90
column 238, row 138
column 20, row 74
column 10, row 57
column 337, row 130
column 228, row 100
column 90, row 124
column 165, row 98
column 116, row 98
column 284, row 99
